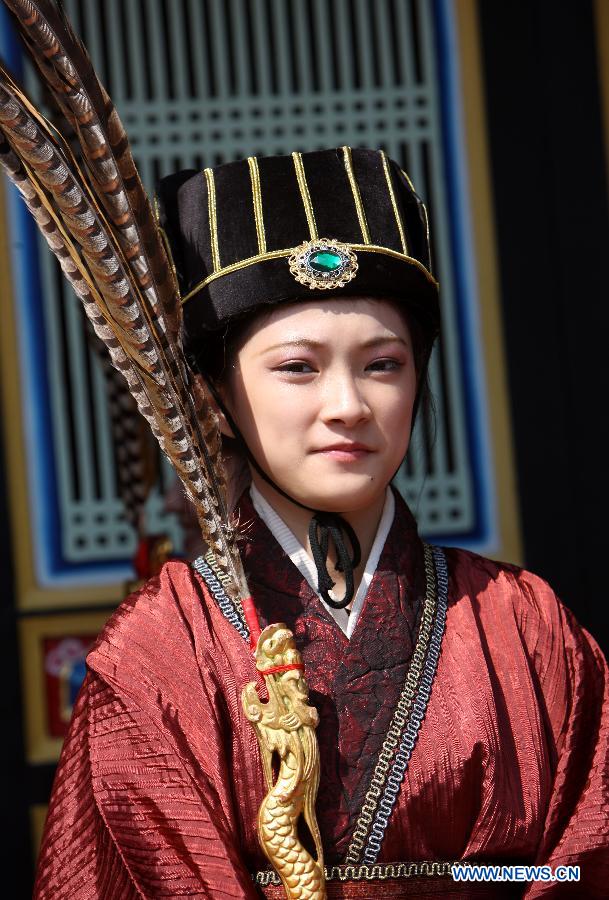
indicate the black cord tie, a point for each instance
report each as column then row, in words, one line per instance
column 322, row 527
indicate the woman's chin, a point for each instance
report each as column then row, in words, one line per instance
column 340, row 493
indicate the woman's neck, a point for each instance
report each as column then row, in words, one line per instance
column 364, row 522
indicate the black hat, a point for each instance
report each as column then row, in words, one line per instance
column 270, row 229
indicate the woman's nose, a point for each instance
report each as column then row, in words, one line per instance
column 344, row 400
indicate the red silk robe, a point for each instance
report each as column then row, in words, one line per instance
column 160, row 778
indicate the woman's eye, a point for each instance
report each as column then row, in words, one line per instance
column 385, row 365
column 299, row 368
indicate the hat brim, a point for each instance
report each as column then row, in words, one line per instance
column 269, row 281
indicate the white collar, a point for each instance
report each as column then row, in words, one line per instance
column 299, row 556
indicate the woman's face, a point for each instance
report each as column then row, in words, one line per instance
column 323, row 392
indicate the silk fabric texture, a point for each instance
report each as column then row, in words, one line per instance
column 160, row 780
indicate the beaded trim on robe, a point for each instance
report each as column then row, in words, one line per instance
column 393, row 759
column 380, row 872
column 231, row 611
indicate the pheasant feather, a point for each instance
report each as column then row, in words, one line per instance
column 122, row 314
column 68, row 72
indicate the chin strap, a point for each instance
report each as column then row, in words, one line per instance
column 323, row 525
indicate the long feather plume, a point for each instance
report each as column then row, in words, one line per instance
column 47, row 222
column 134, row 478
column 68, row 72
column 128, row 315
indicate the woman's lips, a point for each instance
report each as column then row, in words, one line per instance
column 345, row 452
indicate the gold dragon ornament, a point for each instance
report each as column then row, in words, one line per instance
column 285, row 725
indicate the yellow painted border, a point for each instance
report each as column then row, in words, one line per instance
column 38, row 816
column 40, row 747
column 601, row 19
column 30, row 595
column 509, row 546
column 12, row 409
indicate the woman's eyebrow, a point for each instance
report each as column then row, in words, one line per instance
column 309, row 344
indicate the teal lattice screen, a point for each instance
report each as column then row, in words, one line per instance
column 198, row 82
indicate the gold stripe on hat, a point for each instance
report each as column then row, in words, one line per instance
column 396, row 211
column 423, row 207
column 361, row 215
column 213, row 219
column 424, row 211
column 409, row 180
column 304, row 193
column 257, row 196
column 157, row 218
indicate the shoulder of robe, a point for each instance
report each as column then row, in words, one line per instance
column 153, row 627
column 498, row 589
column 501, row 588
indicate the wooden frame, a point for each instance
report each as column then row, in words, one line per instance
column 52, row 666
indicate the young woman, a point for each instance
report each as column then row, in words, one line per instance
column 463, row 713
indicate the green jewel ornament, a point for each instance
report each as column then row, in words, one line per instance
column 323, row 264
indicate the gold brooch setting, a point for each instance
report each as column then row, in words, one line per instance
column 323, row 264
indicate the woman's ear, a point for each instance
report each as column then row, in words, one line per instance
column 202, row 385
